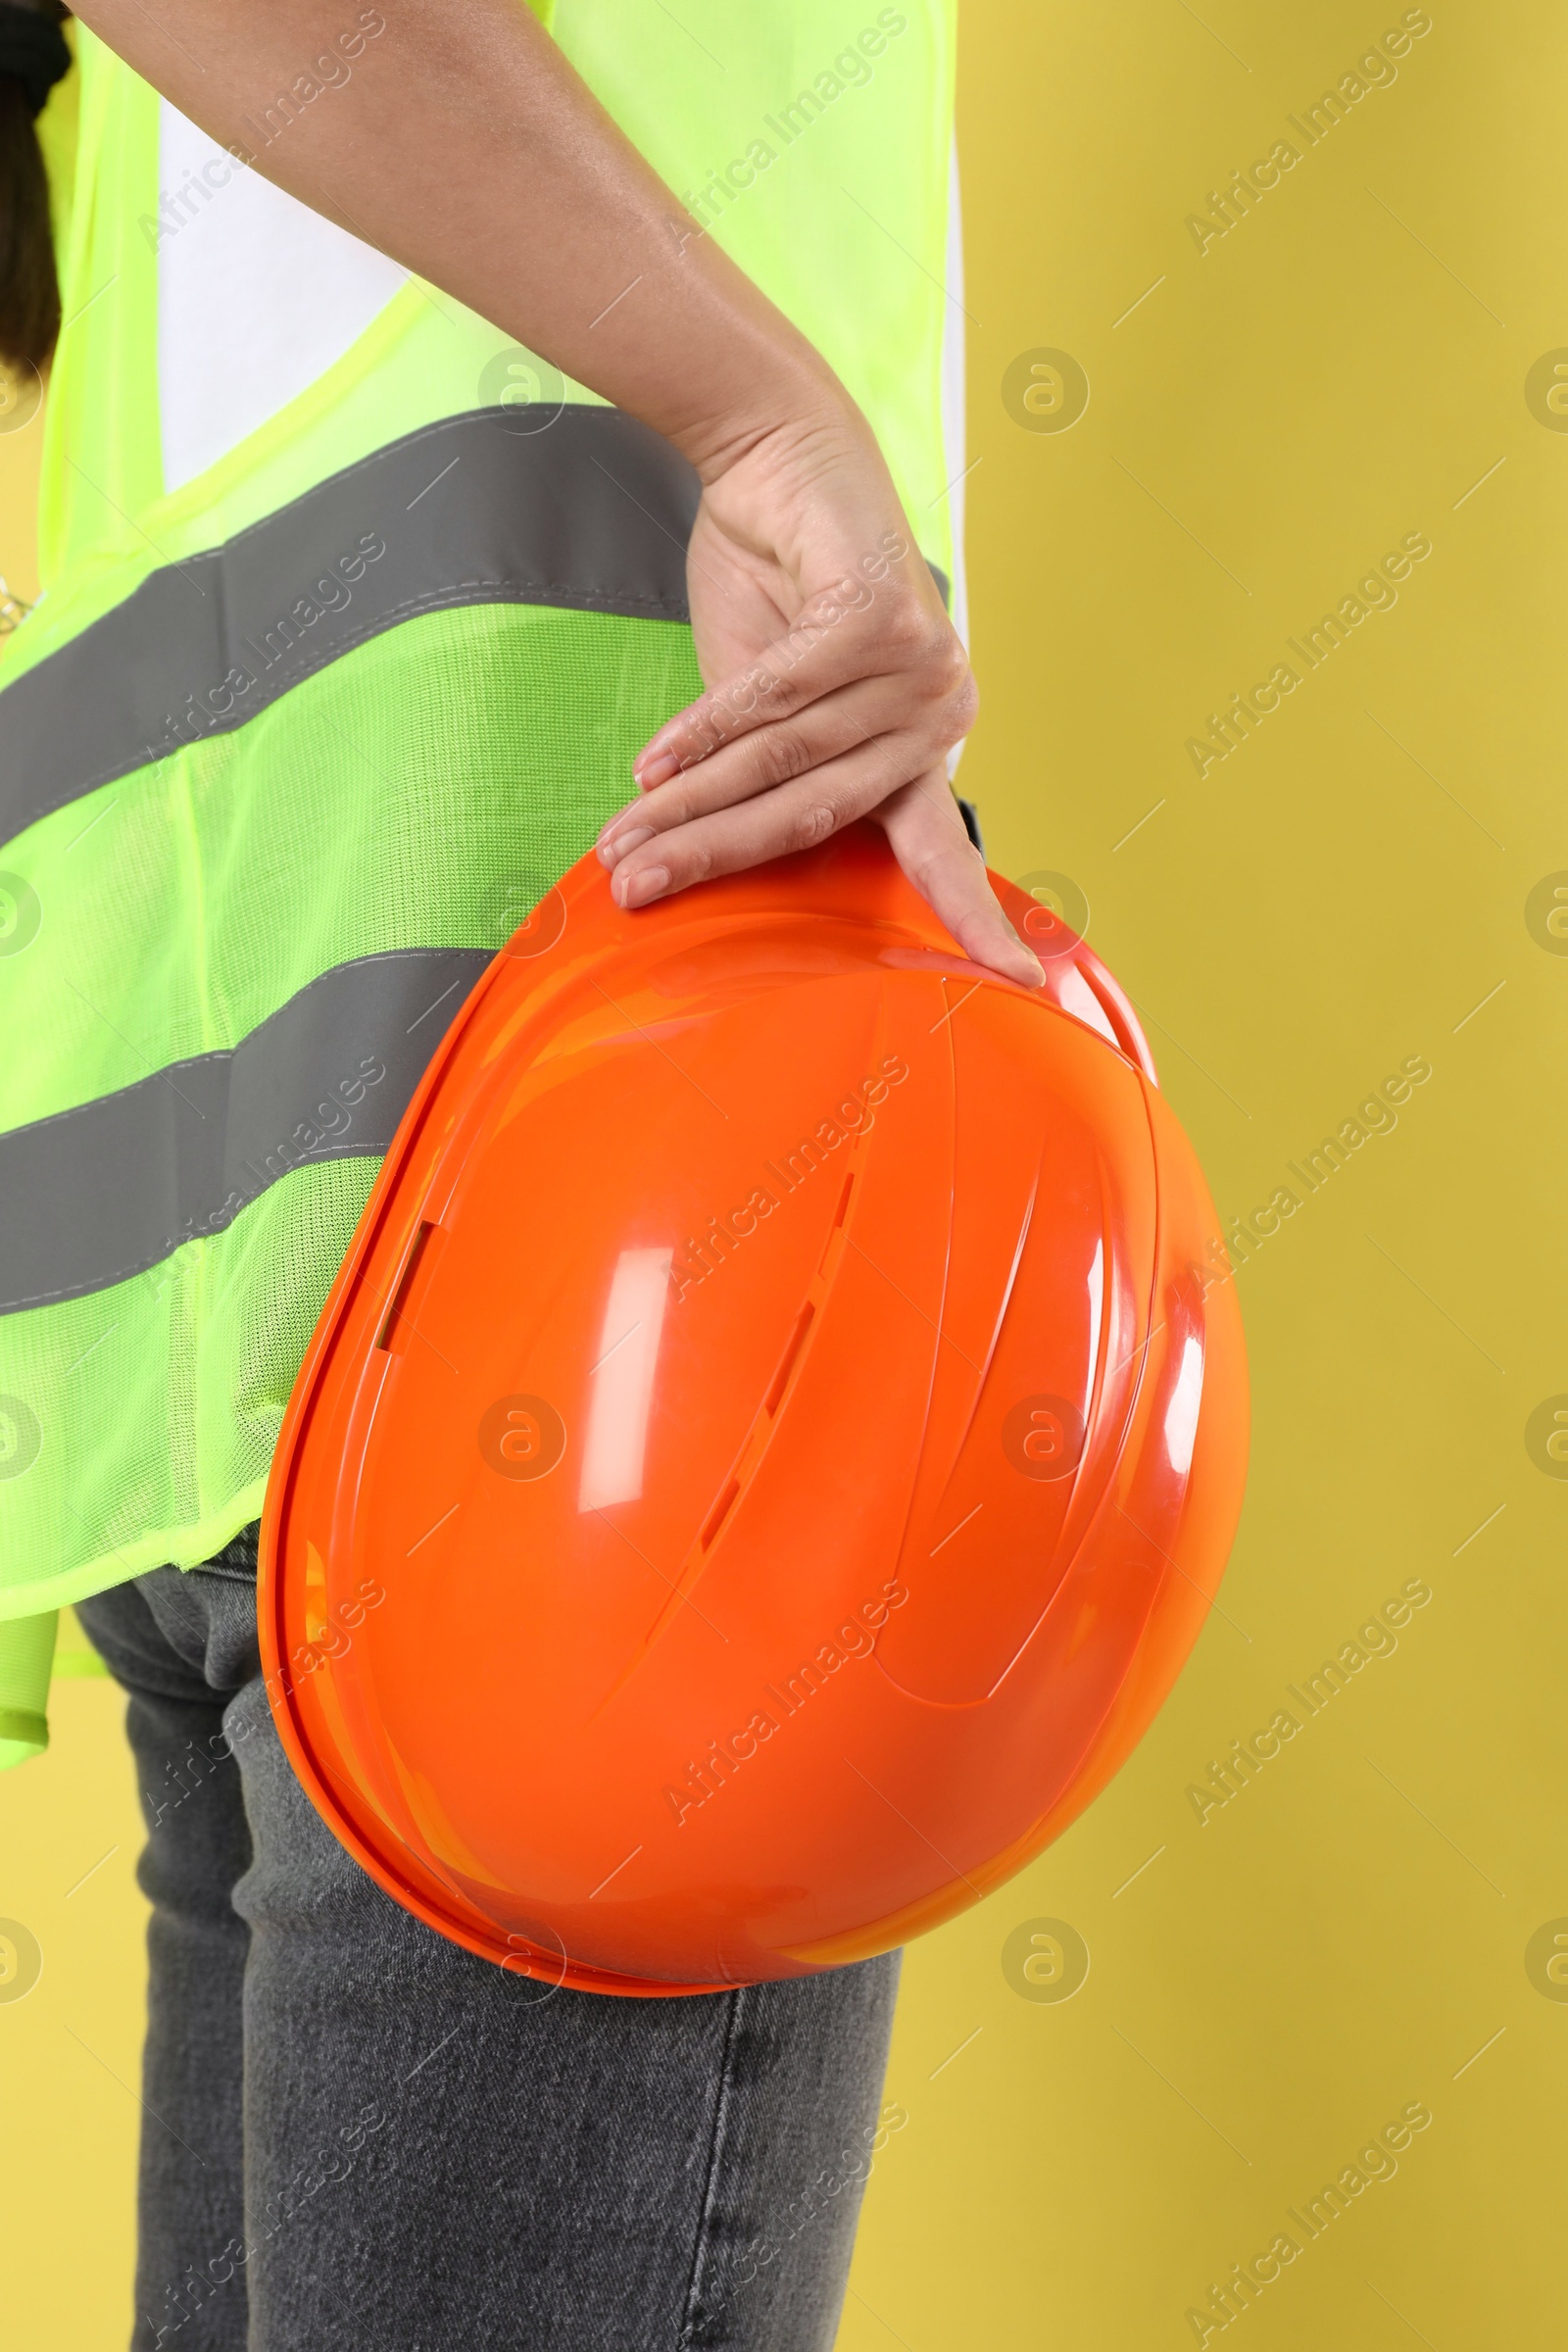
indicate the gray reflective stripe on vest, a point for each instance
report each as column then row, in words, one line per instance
column 98, row 1193
column 590, row 514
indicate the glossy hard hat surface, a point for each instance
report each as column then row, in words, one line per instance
column 772, row 1442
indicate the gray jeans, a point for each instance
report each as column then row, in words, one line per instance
column 358, row 2137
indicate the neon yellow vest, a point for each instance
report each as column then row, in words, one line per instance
column 287, row 751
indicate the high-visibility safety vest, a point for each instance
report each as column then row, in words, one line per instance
column 354, row 617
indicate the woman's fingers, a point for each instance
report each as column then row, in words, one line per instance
column 926, row 834
column 762, row 825
column 788, row 749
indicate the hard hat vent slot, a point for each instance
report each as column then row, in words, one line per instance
column 719, row 1512
column 412, row 1283
column 797, row 1339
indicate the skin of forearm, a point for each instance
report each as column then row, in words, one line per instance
column 464, row 147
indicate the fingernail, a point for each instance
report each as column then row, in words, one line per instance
column 637, row 889
column 612, row 851
column 657, row 770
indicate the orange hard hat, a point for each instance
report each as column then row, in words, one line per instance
column 772, row 1444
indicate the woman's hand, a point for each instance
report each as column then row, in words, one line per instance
column 837, row 686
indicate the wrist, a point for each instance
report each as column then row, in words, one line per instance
column 773, row 393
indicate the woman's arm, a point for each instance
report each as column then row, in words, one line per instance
column 467, row 148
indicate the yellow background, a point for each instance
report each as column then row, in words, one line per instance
column 1340, row 892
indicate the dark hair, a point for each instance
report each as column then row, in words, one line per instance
column 30, row 290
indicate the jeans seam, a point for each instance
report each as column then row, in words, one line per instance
column 705, row 2218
